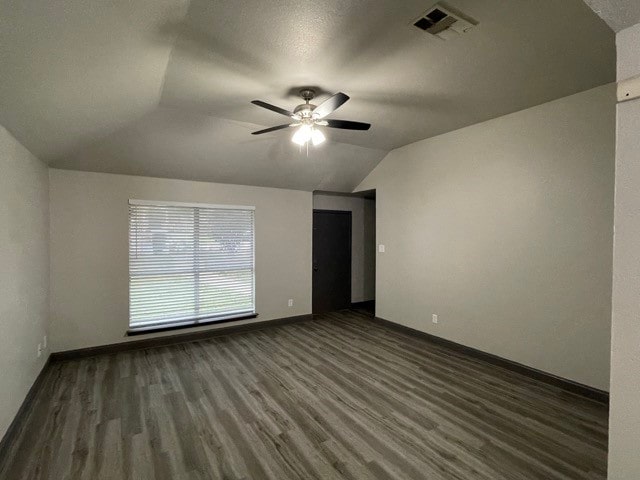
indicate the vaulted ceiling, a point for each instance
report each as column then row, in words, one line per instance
column 619, row 14
column 162, row 87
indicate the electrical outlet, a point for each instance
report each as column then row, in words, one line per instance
column 381, row 248
column 434, row 318
column 290, row 304
column 39, row 350
column 44, row 342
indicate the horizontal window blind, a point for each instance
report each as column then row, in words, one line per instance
column 188, row 263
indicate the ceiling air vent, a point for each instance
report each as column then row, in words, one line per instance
column 442, row 22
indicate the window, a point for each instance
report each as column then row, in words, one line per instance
column 189, row 264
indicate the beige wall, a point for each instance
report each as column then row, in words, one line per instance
column 504, row 229
column 89, row 249
column 624, row 425
column 363, row 237
column 24, row 273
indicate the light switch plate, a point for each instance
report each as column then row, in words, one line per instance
column 381, row 248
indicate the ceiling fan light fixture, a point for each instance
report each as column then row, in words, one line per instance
column 308, row 117
column 302, row 135
column 317, row 137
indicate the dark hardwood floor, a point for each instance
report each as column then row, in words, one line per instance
column 335, row 397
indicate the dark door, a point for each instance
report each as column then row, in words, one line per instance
column 331, row 260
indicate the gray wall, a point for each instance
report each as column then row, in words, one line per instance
column 363, row 238
column 24, row 272
column 624, row 425
column 504, row 229
column 89, row 249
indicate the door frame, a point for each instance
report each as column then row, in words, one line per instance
column 334, row 212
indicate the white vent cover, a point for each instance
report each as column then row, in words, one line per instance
column 443, row 23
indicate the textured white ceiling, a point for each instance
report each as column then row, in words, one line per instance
column 72, row 71
column 408, row 84
column 619, row 14
column 181, row 144
column 162, row 88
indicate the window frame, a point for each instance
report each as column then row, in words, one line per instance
column 198, row 321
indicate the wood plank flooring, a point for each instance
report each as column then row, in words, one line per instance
column 338, row 397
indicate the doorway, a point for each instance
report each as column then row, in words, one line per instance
column 332, row 263
column 331, row 260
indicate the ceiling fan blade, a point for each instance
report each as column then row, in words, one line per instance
column 271, row 129
column 348, row 125
column 273, row 108
column 330, row 105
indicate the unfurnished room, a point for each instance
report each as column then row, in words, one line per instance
column 328, row 239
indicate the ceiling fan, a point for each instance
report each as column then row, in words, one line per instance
column 308, row 117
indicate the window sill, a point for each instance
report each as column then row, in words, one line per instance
column 194, row 324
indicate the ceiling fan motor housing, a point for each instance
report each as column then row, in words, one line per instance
column 305, row 110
